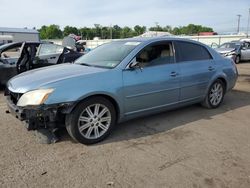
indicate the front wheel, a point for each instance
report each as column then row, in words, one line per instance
column 91, row 121
column 215, row 95
column 237, row 59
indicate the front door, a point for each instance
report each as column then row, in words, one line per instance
column 155, row 84
column 245, row 51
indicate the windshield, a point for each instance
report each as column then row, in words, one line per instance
column 229, row 45
column 5, row 46
column 107, row 55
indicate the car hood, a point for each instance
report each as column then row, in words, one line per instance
column 39, row 78
column 224, row 50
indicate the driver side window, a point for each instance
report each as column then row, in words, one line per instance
column 154, row 55
column 247, row 45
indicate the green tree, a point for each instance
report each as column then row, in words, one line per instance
column 191, row 29
column 116, row 32
column 139, row 29
column 50, row 32
column 87, row 33
column 42, row 31
column 97, row 30
column 167, row 28
column 70, row 30
column 156, row 28
column 54, row 32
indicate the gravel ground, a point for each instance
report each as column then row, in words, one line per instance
column 188, row 147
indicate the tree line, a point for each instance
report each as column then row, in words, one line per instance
column 116, row 32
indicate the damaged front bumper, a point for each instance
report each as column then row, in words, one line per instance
column 40, row 117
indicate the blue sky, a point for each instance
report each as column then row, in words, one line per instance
column 218, row 14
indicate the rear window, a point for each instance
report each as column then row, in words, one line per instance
column 187, row 51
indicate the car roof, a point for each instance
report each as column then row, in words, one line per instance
column 14, row 44
column 152, row 39
column 28, row 42
column 159, row 39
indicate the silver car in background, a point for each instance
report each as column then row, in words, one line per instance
column 236, row 50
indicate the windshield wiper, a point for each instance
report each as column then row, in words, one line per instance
column 86, row 64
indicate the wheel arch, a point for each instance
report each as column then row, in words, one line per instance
column 224, row 82
column 106, row 96
column 218, row 77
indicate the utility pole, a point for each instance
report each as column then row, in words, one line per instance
column 238, row 28
column 248, row 22
column 111, row 31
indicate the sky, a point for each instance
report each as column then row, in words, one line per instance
column 221, row 15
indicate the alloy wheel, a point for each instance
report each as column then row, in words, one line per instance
column 216, row 94
column 94, row 121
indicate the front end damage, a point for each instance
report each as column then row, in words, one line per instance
column 42, row 117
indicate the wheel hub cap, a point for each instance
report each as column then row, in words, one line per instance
column 216, row 94
column 94, row 121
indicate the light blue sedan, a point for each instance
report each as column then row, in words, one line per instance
column 119, row 81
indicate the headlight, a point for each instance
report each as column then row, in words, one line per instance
column 35, row 97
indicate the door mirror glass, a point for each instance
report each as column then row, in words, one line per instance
column 134, row 64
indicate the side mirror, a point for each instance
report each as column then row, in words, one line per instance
column 134, row 64
column 243, row 48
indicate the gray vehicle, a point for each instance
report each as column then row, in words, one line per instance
column 18, row 57
column 236, row 50
column 119, row 81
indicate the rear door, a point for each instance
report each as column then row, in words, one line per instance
column 47, row 54
column 196, row 69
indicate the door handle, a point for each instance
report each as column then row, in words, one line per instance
column 173, row 74
column 210, row 68
column 52, row 57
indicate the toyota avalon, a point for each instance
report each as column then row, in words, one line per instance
column 119, row 81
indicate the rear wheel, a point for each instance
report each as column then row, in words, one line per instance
column 215, row 95
column 91, row 121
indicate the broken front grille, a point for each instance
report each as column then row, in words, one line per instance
column 14, row 97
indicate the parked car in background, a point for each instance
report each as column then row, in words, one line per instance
column 22, row 56
column 72, row 43
column 236, row 50
column 119, row 81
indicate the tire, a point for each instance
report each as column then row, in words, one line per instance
column 215, row 96
column 237, row 59
column 91, row 121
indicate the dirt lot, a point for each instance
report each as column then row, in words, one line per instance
column 189, row 147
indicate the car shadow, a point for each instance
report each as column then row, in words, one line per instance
column 168, row 120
